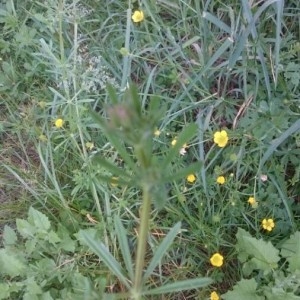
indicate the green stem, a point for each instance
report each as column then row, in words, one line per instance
column 142, row 242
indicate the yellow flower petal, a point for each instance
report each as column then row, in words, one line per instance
column 221, row 180
column 59, row 123
column 214, row 296
column 138, row 16
column 191, row 178
column 217, row 260
column 268, row 224
column 221, row 138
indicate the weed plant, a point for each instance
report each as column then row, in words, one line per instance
column 150, row 149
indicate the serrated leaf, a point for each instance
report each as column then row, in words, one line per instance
column 291, row 251
column 53, row 237
column 244, row 289
column 25, row 228
column 266, row 256
column 38, row 219
column 9, row 236
column 260, row 254
column 10, row 264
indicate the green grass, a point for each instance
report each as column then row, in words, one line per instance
column 232, row 67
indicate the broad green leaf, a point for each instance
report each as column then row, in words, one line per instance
column 25, row 228
column 52, row 237
column 66, row 242
column 245, row 290
column 4, row 291
column 260, row 254
column 46, row 296
column 38, row 219
column 162, row 250
column 265, row 255
column 123, row 242
column 280, row 294
column 291, row 251
column 11, row 264
column 99, row 249
column 178, row 286
column 9, row 236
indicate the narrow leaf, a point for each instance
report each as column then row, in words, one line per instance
column 123, row 242
column 161, row 250
column 99, row 249
column 179, row 286
column 275, row 143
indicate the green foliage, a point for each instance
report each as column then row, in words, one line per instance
column 260, row 261
column 38, row 262
column 124, row 92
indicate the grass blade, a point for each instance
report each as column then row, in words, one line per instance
column 275, row 143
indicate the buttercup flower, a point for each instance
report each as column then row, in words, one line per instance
column 268, row 224
column 59, row 123
column 252, row 201
column 89, row 145
column 221, row 138
column 221, row 180
column 191, row 178
column 138, row 16
column 217, row 260
column 173, row 143
column 157, row 133
column 214, row 296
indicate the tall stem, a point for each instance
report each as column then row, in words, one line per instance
column 142, row 242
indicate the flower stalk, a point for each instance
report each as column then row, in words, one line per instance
column 142, row 242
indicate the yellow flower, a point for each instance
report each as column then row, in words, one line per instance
column 217, row 260
column 214, row 296
column 268, row 224
column 59, row 123
column 191, row 178
column 221, row 138
column 157, row 133
column 221, row 180
column 138, row 16
column 252, row 201
column 89, row 145
column 173, row 143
